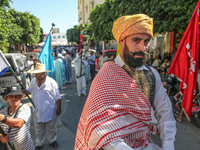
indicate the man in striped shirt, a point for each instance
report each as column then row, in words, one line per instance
column 16, row 118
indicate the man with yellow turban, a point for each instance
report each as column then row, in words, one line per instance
column 117, row 112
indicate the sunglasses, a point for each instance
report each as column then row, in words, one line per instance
column 15, row 96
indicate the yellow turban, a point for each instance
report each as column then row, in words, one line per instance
column 128, row 25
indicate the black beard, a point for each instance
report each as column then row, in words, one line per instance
column 130, row 60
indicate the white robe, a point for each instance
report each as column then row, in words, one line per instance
column 81, row 82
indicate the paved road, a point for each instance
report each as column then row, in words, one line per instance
column 187, row 137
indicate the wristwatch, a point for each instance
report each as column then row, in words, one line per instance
column 4, row 119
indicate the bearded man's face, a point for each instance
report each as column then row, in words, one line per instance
column 133, row 61
column 134, row 50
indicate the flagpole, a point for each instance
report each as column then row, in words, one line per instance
column 9, row 66
column 53, row 24
column 9, row 143
column 82, row 27
column 81, row 48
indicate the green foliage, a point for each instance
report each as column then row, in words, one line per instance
column 17, row 27
column 9, row 32
column 30, row 25
column 88, row 34
column 73, row 34
column 41, row 35
column 5, row 3
column 169, row 15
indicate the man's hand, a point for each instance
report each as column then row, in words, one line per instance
column 1, row 117
column 58, row 111
column 24, row 91
column 5, row 139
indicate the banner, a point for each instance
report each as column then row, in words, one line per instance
column 185, row 63
column 46, row 57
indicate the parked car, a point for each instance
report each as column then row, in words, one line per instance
column 37, row 50
column 109, row 53
column 18, row 63
column 28, row 54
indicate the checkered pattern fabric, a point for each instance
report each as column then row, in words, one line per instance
column 115, row 108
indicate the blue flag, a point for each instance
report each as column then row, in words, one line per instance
column 47, row 58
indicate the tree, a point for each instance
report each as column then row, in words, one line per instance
column 41, row 35
column 9, row 32
column 169, row 15
column 73, row 34
column 5, row 3
column 30, row 25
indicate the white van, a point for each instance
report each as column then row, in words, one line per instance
column 18, row 63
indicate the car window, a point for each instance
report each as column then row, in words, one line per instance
column 19, row 63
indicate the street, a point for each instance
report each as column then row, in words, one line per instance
column 187, row 137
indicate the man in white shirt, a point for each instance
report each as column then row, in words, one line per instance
column 47, row 100
column 117, row 112
column 103, row 59
column 164, row 65
column 30, row 65
column 80, row 74
column 86, row 67
column 156, row 62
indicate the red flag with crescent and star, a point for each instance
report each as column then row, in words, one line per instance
column 185, row 63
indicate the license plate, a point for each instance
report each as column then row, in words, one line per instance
column 195, row 108
column 2, row 82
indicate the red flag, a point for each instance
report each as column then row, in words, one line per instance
column 80, row 42
column 186, row 61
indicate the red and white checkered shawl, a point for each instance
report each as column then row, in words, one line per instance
column 115, row 108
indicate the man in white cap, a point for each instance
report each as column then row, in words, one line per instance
column 47, row 100
column 66, row 66
column 80, row 75
column 60, row 72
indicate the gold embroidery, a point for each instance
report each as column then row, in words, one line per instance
column 140, row 79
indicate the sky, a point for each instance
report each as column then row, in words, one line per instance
column 64, row 13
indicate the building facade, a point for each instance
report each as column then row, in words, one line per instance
column 57, row 37
column 84, row 9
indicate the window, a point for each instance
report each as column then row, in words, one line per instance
column 19, row 62
column 63, row 36
column 86, row 9
column 54, row 37
column 92, row 3
column 59, row 36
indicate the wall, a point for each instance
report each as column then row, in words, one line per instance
column 83, row 5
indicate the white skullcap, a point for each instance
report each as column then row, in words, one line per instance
column 63, row 52
column 59, row 55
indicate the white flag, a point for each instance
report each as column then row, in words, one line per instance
column 4, row 65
